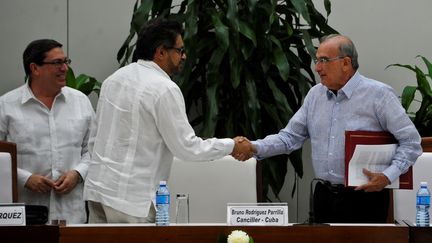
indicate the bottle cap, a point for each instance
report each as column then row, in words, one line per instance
column 162, row 183
column 423, row 183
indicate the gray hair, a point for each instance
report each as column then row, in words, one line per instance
column 346, row 48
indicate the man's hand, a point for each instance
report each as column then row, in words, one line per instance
column 377, row 182
column 39, row 183
column 67, row 182
column 243, row 149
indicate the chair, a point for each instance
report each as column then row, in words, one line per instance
column 8, row 172
column 211, row 185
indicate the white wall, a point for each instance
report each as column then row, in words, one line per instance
column 384, row 31
column 97, row 28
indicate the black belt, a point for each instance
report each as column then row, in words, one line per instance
column 335, row 188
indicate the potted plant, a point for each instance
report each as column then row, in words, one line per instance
column 422, row 118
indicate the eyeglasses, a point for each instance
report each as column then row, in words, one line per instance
column 326, row 59
column 59, row 62
column 180, row 50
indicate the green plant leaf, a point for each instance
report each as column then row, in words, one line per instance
column 401, row 65
column 81, row 79
column 423, row 84
column 279, row 59
column 83, row 82
column 141, row 15
column 235, row 67
column 422, row 117
column 408, row 94
column 281, row 102
column 221, row 31
column 428, row 65
column 247, row 31
column 327, row 5
column 70, row 78
column 253, row 106
column 300, row 6
column 308, row 43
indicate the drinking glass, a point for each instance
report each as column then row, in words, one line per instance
column 182, row 208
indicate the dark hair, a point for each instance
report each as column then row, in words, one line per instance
column 154, row 33
column 346, row 49
column 36, row 52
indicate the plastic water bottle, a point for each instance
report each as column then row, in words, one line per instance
column 423, row 204
column 162, row 204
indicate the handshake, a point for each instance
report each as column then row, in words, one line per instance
column 243, row 149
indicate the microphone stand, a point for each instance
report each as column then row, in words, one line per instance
column 311, row 220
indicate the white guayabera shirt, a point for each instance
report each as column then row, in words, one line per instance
column 49, row 143
column 141, row 123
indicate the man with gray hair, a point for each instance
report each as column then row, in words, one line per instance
column 345, row 101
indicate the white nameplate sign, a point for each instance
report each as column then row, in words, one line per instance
column 12, row 214
column 257, row 214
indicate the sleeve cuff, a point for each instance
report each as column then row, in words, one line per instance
column 23, row 176
column 258, row 150
column 228, row 144
column 82, row 169
column 392, row 173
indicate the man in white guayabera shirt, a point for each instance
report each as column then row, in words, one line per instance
column 141, row 123
column 50, row 124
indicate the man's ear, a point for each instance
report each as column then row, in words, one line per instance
column 159, row 53
column 347, row 63
column 34, row 68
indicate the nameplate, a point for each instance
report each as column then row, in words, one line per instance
column 257, row 214
column 12, row 214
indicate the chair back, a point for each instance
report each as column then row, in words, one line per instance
column 211, row 185
column 8, row 172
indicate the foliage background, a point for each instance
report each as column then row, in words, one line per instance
column 422, row 118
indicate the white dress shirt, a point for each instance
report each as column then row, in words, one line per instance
column 49, row 143
column 141, row 123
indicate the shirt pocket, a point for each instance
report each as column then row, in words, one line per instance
column 22, row 132
column 76, row 130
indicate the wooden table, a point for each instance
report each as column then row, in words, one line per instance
column 205, row 233
column 33, row 234
column 210, row 233
column 418, row 234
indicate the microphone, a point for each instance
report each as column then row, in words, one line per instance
column 311, row 219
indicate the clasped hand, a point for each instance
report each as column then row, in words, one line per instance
column 63, row 185
column 243, row 149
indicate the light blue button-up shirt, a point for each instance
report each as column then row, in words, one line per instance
column 361, row 105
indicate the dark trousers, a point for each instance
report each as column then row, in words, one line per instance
column 339, row 204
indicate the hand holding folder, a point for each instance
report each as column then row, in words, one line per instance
column 354, row 138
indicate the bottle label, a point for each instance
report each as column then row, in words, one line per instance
column 162, row 199
column 423, row 200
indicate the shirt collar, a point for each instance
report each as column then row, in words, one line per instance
column 27, row 94
column 151, row 64
column 349, row 87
